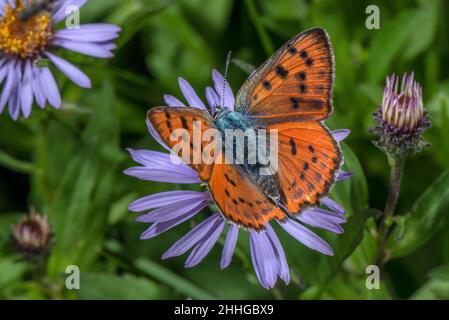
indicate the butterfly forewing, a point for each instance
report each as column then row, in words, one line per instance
column 309, row 159
column 296, row 83
column 176, row 127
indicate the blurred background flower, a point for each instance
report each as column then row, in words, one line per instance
column 32, row 235
column 28, row 36
column 68, row 163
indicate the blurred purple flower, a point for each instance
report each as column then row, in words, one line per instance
column 169, row 209
column 24, row 41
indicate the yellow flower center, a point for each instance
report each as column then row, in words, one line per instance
column 24, row 35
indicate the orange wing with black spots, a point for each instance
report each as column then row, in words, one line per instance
column 295, row 84
column 183, row 127
column 239, row 199
column 308, row 162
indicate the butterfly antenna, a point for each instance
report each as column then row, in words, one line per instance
column 225, row 82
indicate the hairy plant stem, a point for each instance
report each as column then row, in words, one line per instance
column 397, row 167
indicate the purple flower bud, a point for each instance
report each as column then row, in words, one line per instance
column 402, row 117
column 32, row 235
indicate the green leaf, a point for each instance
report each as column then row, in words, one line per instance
column 171, row 279
column 422, row 37
column 405, row 36
column 423, row 220
column 85, row 190
column 107, row 286
column 434, row 289
column 442, row 272
column 246, row 67
column 10, row 271
column 260, row 28
column 437, row 287
column 318, row 269
column 359, row 185
column 12, row 163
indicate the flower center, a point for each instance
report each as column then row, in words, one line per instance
column 24, row 34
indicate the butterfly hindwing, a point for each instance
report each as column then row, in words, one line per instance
column 308, row 161
column 175, row 126
column 240, row 199
column 296, row 83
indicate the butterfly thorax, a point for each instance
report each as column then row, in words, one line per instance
column 228, row 121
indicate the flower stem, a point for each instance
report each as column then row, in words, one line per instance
column 397, row 167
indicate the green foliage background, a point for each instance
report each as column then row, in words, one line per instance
column 68, row 164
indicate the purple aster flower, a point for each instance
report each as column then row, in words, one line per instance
column 26, row 38
column 169, row 209
column 402, row 117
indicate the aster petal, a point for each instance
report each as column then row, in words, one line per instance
column 212, row 99
column 343, row 175
column 9, row 85
column 323, row 219
column 89, row 33
column 205, row 245
column 72, row 72
column 151, row 159
column 26, row 94
column 48, row 83
column 189, row 93
column 37, row 88
column 334, row 206
column 158, row 228
column 219, row 81
column 306, row 237
column 3, row 71
column 264, row 259
column 283, row 270
column 229, row 246
column 158, row 167
column 341, row 134
column 167, row 175
column 61, row 11
column 192, row 237
column 155, row 135
column 14, row 98
column 172, row 101
column 86, row 48
column 170, row 212
column 162, row 199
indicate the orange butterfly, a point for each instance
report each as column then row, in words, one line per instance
column 291, row 93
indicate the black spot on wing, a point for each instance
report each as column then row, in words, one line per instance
column 295, row 102
column 185, row 125
column 311, row 148
column 293, row 149
column 301, row 76
column 309, row 62
column 266, row 84
column 281, row 72
column 230, row 180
